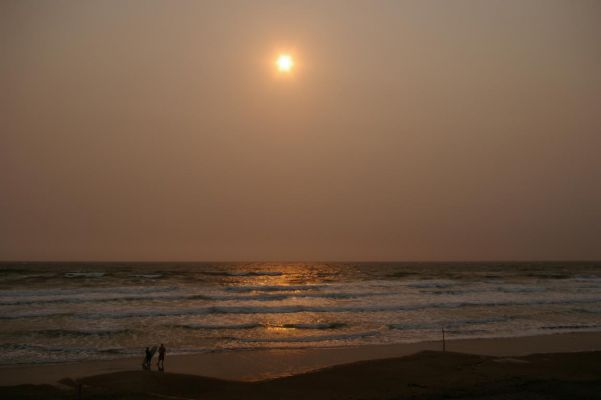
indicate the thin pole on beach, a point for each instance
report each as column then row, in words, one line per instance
column 444, row 343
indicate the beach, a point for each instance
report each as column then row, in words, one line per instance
column 300, row 330
column 469, row 365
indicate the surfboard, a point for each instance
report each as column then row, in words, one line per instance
column 153, row 350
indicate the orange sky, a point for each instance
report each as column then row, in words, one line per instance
column 432, row 130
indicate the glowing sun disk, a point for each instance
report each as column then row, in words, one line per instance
column 284, row 63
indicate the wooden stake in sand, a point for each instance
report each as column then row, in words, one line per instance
column 444, row 344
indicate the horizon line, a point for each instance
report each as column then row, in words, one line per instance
column 305, row 261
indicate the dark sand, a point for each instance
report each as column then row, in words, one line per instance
column 425, row 375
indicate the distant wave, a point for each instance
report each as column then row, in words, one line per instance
column 84, row 274
column 74, row 333
column 243, row 273
column 587, row 311
column 503, row 289
column 220, row 326
column 543, row 275
column 320, row 338
column 137, row 294
column 76, row 291
column 146, row 276
column 323, row 325
column 412, row 326
column 15, row 277
column 273, row 288
column 570, row 327
column 521, row 289
column 253, row 325
column 588, row 278
column 321, row 309
column 449, row 292
column 36, row 314
column 140, row 294
column 95, row 298
column 440, row 284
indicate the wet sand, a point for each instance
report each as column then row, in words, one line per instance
column 471, row 366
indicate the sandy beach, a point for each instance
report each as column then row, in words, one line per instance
column 472, row 364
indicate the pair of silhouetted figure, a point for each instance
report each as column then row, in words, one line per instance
column 150, row 353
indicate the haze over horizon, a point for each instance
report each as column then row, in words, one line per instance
column 410, row 130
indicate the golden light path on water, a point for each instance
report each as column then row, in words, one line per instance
column 284, row 325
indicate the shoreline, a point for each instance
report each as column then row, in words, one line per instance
column 261, row 364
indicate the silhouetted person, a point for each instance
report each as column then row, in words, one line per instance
column 161, row 361
column 147, row 358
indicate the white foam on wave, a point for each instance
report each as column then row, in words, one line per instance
column 19, row 353
column 447, row 324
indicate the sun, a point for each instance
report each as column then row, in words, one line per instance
column 284, row 63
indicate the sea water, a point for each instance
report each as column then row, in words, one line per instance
column 58, row 312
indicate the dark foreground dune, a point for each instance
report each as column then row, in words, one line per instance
column 426, row 375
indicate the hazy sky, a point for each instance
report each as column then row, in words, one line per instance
column 411, row 130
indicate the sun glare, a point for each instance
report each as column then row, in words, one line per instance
column 285, row 63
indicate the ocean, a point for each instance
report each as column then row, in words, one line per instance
column 60, row 312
